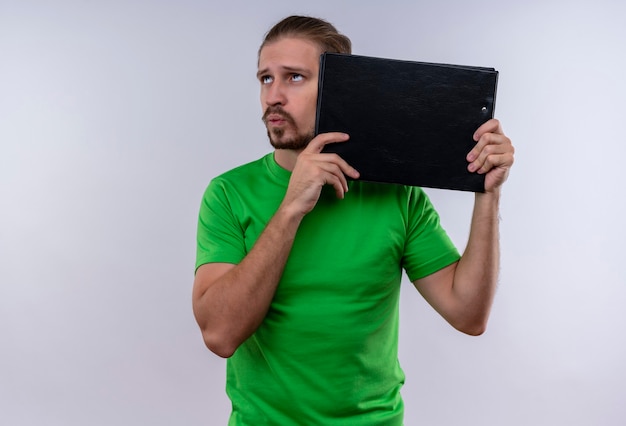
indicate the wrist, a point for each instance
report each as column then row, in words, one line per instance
column 289, row 215
column 489, row 196
column 487, row 203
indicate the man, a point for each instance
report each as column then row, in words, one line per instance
column 299, row 268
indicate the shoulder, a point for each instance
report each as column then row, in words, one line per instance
column 253, row 168
column 247, row 175
column 260, row 181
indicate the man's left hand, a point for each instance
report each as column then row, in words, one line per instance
column 492, row 155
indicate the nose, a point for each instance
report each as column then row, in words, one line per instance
column 275, row 94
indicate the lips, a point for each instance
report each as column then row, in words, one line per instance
column 277, row 117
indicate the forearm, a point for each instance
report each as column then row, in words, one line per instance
column 464, row 291
column 231, row 301
column 232, row 307
column 476, row 275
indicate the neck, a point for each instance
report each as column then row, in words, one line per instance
column 286, row 158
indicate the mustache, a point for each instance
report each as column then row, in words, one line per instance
column 278, row 111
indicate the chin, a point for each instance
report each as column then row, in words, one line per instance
column 285, row 142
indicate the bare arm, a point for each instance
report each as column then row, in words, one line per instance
column 463, row 292
column 230, row 301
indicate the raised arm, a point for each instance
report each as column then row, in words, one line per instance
column 463, row 292
column 231, row 301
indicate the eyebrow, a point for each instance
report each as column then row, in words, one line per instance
column 284, row 68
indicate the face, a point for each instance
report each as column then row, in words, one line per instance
column 288, row 71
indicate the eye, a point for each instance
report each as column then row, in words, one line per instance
column 297, row 77
column 266, row 79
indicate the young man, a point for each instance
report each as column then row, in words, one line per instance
column 299, row 269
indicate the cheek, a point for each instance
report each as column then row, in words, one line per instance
column 309, row 112
column 312, row 103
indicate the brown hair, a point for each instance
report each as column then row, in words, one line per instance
column 321, row 32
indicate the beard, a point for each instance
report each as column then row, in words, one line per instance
column 276, row 135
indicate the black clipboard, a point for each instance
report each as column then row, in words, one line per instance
column 409, row 122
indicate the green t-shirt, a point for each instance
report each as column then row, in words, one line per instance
column 327, row 351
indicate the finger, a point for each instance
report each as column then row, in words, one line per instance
column 485, row 140
column 324, row 173
column 320, row 141
column 317, row 144
column 489, row 144
column 338, row 182
column 500, row 161
column 343, row 165
column 320, row 168
column 332, row 173
column 490, row 126
column 494, row 159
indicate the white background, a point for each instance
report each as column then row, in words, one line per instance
column 114, row 116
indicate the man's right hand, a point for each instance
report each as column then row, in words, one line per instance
column 313, row 170
column 231, row 301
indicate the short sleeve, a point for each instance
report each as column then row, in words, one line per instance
column 428, row 247
column 219, row 235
